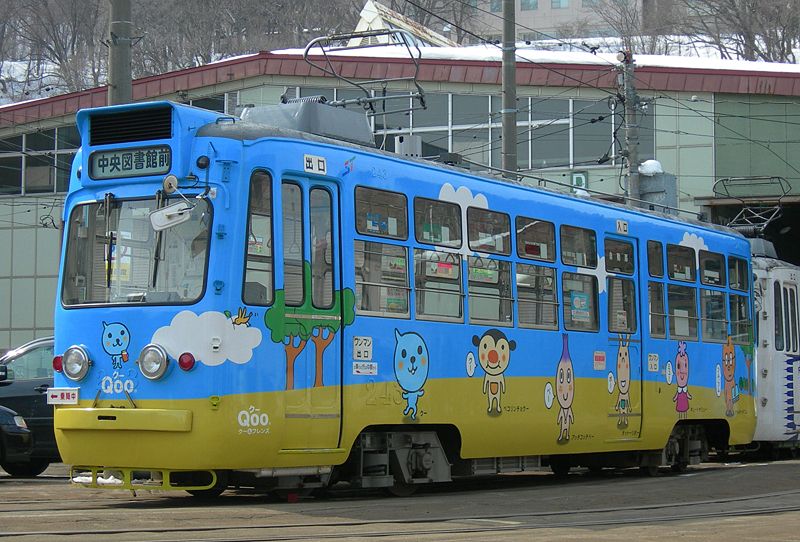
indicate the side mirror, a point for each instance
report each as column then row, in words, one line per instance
column 171, row 215
column 3, row 373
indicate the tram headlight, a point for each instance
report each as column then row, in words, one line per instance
column 153, row 361
column 75, row 362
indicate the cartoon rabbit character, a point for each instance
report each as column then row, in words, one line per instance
column 410, row 368
column 623, row 405
column 682, row 395
column 728, row 369
column 565, row 391
column 494, row 354
column 116, row 339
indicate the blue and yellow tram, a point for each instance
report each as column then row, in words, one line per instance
column 248, row 302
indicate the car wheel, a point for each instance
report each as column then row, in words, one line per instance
column 32, row 468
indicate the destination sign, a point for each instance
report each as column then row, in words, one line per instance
column 130, row 162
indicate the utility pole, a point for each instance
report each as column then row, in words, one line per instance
column 120, row 87
column 508, row 114
column 631, row 152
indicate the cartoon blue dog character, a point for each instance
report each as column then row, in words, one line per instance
column 410, row 368
column 116, row 339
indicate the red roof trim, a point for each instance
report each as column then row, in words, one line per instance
column 431, row 70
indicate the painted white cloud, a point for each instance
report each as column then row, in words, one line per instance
column 464, row 198
column 189, row 332
column 599, row 272
column 696, row 242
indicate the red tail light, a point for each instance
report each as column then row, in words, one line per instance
column 57, row 364
column 186, row 361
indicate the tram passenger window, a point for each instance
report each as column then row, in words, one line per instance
column 578, row 247
column 655, row 259
column 437, row 222
column 712, row 268
column 381, row 279
column 681, row 263
column 292, row 244
column 381, row 213
column 658, row 317
column 437, row 281
column 258, row 274
column 488, row 231
column 778, row 310
column 619, row 256
column 579, row 299
column 321, row 223
column 712, row 314
column 536, row 291
column 489, row 288
column 737, row 273
column 621, row 305
column 740, row 319
column 682, row 306
column 536, row 239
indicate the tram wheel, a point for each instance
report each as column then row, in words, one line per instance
column 28, row 469
column 402, row 489
column 680, row 466
column 560, row 468
column 648, row 470
column 212, row 492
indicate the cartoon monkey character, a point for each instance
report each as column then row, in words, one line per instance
column 623, row 405
column 494, row 353
column 728, row 369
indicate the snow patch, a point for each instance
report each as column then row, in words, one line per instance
column 650, row 168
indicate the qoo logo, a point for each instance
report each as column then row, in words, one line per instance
column 117, row 384
column 253, row 422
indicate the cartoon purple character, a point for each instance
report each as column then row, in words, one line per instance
column 682, row 396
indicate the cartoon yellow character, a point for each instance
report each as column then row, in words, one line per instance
column 494, row 354
column 242, row 317
column 565, row 391
column 623, row 405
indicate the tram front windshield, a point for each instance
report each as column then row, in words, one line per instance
column 114, row 256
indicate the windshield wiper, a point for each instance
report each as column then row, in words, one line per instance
column 108, row 202
column 159, row 238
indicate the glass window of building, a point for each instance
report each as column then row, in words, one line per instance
column 489, row 288
column 550, row 145
column 437, row 222
column 529, row 5
column 381, row 213
column 436, row 113
column 10, row 175
column 536, row 239
column 470, row 110
column 39, row 173
column 473, row 145
column 381, row 279
column 559, row 4
column 592, row 131
column 536, row 292
column 44, row 140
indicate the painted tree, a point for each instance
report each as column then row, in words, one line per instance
column 322, row 335
column 306, row 322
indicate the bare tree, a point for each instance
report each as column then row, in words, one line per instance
column 765, row 30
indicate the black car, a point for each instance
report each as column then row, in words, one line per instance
column 15, row 442
column 26, row 373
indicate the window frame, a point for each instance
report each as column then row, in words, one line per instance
column 406, row 288
column 691, row 318
column 418, row 231
column 360, row 188
column 693, row 268
column 555, row 303
column 271, row 256
column 498, row 215
column 520, row 245
column 593, row 259
column 595, row 299
column 460, row 293
column 302, row 221
column 508, row 300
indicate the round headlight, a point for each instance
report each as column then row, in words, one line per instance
column 75, row 363
column 153, row 361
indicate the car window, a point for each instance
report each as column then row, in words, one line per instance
column 35, row 363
